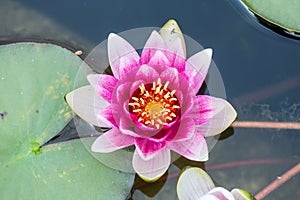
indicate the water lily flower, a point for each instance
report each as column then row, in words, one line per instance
column 195, row 184
column 151, row 102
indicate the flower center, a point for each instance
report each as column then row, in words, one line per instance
column 154, row 104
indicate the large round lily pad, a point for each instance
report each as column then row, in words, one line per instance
column 34, row 79
column 283, row 13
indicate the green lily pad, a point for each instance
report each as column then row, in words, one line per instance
column 34, row 79
column 282, row 13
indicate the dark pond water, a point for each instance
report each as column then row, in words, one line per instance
column 260, row 70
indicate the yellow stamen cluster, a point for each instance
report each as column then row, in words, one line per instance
column 154, row 104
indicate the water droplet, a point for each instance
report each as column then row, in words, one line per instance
column 21, row 93
column 2, row 78
column 32, row 60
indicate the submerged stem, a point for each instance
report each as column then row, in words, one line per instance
column 279, row 181
column 275, row 125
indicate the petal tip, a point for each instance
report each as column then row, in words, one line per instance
column 171, row 24
column 156, row 36
column 91, row 78
column 68, row 98
column 209, row 51
column 93, row 148
column 233, row 112
column 242, row 194
column 150, row 180
column 111, row 35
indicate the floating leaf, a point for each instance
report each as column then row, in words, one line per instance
column 281, row 13
column 34, row 79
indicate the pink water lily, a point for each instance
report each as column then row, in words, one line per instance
column 151, row 103
column 195, row 184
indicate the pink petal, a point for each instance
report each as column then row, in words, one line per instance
column 216, row 115
column 122, row 93
column 157, row 54
column 194, row 148
column 209, row 197
column 112, row 140
column 159, row 59
column 154, row 43
column 221, row 194
column 103, row 84
column 153, row 169
column 135, row 85
column 106, row 116
column 122, row 56
column 146, row 73
column 129, row 125
column 147, row 148
column 171, row 75
column 198, row 64
column 86, row 103
column 202, row 109
column 186, row 102
column 186, row 130
column 126, row 126
column 193, row 183
column 176, row 55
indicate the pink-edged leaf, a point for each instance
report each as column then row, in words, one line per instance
column 111, row 141
column 153, row 169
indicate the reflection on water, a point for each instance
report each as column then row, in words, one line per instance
column 249, row 57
